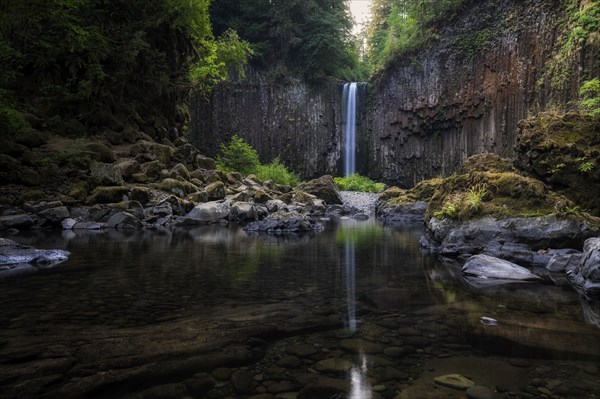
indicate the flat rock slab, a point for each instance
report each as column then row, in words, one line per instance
column 455, row 381
column 485, row 266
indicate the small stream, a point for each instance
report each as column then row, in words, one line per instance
column 357, row 311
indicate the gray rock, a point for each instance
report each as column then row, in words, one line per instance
column 333, row 365
column 455, row 381
column 204, row 162
column 560, row 263
column 586, row 276
column 243, row 211
column 216, row 190
column 21, row 221
column 128, row 167
column 408, row 213
column 21, row 257
column 54, row 216
column 457, row 238
column 106, row 174
column 124, row 221
column 485, row 266
column 68, row 223
column 324, row 188
column 211, row 212
column 242, row 382
column 284, row 224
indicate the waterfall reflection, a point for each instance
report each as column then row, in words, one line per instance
column 359, row 386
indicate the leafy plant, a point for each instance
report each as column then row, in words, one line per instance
column 590, row 96
column 278, row 173
column 557, row 168
column 474, row 197
column 357, row 182
column 586, row 166
column 449, row 210
column 238, row 156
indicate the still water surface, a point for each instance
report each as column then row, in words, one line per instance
column 367, row 307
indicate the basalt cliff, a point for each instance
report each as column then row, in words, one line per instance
column 426, row 112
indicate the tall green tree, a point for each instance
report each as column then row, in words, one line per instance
column 309, row 38
column 98, row 61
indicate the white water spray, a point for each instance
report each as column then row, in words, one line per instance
column 349, row 120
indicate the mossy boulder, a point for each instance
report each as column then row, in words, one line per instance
column 151, row 151
column 563, row 150
column 324, row 188
column 487, row 185
column 107, row 195
column 178, row 187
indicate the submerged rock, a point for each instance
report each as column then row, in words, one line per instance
column 485, row 266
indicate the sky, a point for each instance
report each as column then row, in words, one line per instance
column 360, row 12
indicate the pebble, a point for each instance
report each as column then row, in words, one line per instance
column 364, row 202
column 479, row 392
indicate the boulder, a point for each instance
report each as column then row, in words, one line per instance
column 100, row 152
column 151, row 169
column 489, row 267
column 178, row 187
column 459, row 238
column 283, row 223
column 180, row 170
column 124, row 221
column 107, row 195
column 211, row 212
column 204, row 162
column 563, row 262
column 106, row 174
column 586, row 276
column 152, row 151
column 128, row 167
column 215, row 191
column 243, row 211
column 20, row 221
column 324, row 188
column 198, row 196
column 18, row 259
column 54, row 216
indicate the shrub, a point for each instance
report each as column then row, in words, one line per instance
column 357, row 182
column 277, row 172
column 238, row 156
column 12, row 122
column 590, row 93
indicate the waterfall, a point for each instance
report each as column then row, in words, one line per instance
column 349, row 122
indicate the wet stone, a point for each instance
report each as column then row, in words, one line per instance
column 301, row 350
column 283, row 386
column 455, row 381
column 394, row 352
column 243, row 382
column 290, row 362
column 361, row 346
column 479, row 392
column 519, row 363
column 333, row 365
column 222, row 373
column 262, row 396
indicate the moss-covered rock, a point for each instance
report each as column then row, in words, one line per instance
column 324, row 188
column 107, row 195
column 563, row 150
column 178, row 187
column 489, row 186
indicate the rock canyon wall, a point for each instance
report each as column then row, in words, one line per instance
column 425, row 113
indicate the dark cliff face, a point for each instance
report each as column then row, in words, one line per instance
column 301, row 125
column 426, row 113
column 464, row 95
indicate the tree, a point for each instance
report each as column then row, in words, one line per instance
column 97, row 61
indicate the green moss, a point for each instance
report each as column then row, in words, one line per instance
column 357, row 182
column 480, row 189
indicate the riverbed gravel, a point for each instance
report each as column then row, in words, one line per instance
column 364, row 202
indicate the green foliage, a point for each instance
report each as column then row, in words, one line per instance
column 590, row 96
column 473, row 43
column 12, row 122
column 310, row 38
column 278, row 173
column 237, row 156
column 582, row 28
column 97, row 60
column 474, row 197
column 357, row 182
column 586, row 166
column 402, row 26
column 71, row 154
column 449, row 210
